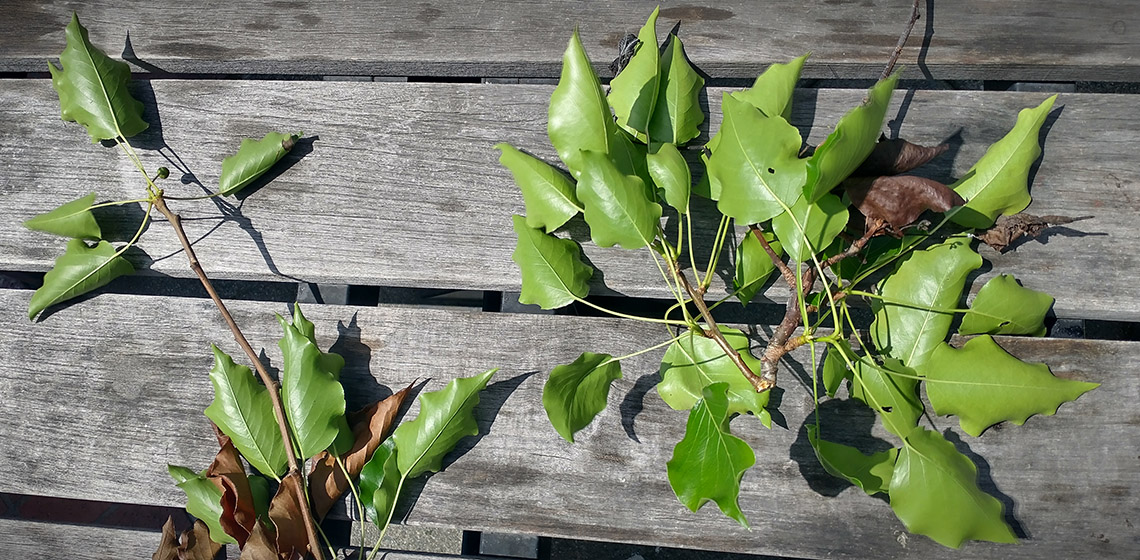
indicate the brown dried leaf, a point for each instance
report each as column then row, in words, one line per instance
column 168, row 546
column 891, row 157
column 239, row 516
column 260, row 545
column 285, row 512
column 370, row 426
column 196, row 544
column 1008, row 229
column 900, row 199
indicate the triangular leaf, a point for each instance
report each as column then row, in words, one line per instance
column 616, row 206
column 671, row 174
column 810, row 227
column 709, row 462
column 893, row 396
column 677, row 115
column 772, row 90
column 576, row 392
column 260, row 546
column 934, row 493
column 871, row 473
column 380, row 484
column 753, row 265
column 1004, row 307
column 242, row 409
column 998, row 182
column 80, row 269
column 633, row 92
column 553, row 274
column 548, row 194
column 203, row 500
column 92, row 89
column 253, row 159
column 73, row 219
column 312, row 397
column 755, row 163
column 446, row 416
column 983, row 385
column 579, row 117
column 694, row 362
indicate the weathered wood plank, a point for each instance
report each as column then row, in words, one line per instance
column 100, row 396
column 972, row 39
column 407, row 172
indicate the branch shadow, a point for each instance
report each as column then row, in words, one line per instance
column 927, row 37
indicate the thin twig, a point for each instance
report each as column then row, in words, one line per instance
column 902, row 42
column 789, row 276
column 278, row 410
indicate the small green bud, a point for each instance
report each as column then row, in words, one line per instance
column 163, row 173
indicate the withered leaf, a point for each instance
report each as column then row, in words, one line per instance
column 196, row 544
column 899, row 199
column 239, row 516
column 260, row 546
column 285, row 512
column 1008, row 229
column 894, row 156
column 168, row 545
column 370, row 426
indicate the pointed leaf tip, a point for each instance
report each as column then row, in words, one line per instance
column 553, row 274
column 446, row 416
column 72, row 219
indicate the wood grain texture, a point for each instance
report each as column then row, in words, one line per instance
column 1065, row 40
column 101, row 396
column 401, row 181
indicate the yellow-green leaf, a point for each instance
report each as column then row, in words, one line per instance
column 576, row 392
column 253, row 159
column 677, row 114
column 753, row 265
column 772, row 90
column 579, row 117
column 553, row 274
column 72, row 219
column 80, row 269
column 871, row 473
column 633, row 92
column 243, row 410
column 1005, row 307
column 548, row 194
column 694, row 362
column 312, row 396
column 446, row 416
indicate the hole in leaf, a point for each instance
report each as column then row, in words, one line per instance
column 770, row 170
column 887, row 409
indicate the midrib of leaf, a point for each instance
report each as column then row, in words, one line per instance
column 428, row 447
column 751, row 165
column 102, row 87
column 693, row 360
column 925, row 322
column 92, row 273
column 546, row 262
column 550, row 184
column 245, row 424
column 949, row 474
column 599, row 101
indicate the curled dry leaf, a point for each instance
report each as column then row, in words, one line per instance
column 168, row 545
column 894, row 156
column 239, row 516
column 285, row 512
column 260, row 545
column 900, row 199
column 370, row 426
column 196, row 544
column 1008, row 229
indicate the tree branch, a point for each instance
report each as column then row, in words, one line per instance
column 789, row 276
column 902, row 42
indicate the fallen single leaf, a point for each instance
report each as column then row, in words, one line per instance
column 168, row 545
column 894, row 156
column 196, row 544
column 285, row 512
column 899, row 199
column 260, row 545
column 1008, row 229
column 370, row 426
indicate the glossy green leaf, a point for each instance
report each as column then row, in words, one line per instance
column 755, row 163
column 380, row 484
column 772, row 90
column 671, row 174
column 259, row 489
column 329, row 361
column 243, row 410
column 203, row 500
column 835, row 368
column 633, row 92
column 850, row 143
column 753, row 265
column 92, row 89
column 934, row 492
column 891, row 389
column 579, row 117
column 576, row 392
column 616, row 206
column 871, row 473
column 253, row 159
column 694, row 362
column 553, row 274
column 548, row 194
column 80, row 269
column 982, row 385
column 1005, row 307
column 999, row 182
column 73, row 219
column 446, row 416
column 677, row 115
column 709, row 462
column 810, row 227
column 932, row 278
column 312, row 396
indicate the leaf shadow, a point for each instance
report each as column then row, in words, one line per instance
column 119, row 223
column 845, row 421
column 987, row 484
column 804, row 102
column 302, row 148
column 634, row 402
column 1042, row 137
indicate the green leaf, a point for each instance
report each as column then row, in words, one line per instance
column 677, row 115
column 616, row 206
column 928, row 279
column 576, row 392
column 983, row 385
column 253, row 159
column 772, row 90
column 871, row 473
column 73, row 219
column 92, row 89
column 850, row 143
column 80, row 269
column 894, row 397
column 934, row 493
column 753, row 265
column 810, row 227
column 999, row 182
column 579, row 117
column 547, row 193
column 329, row 361
column 243, row 410
column 446, row 416
column 835, row 368
column 380, row 484
column 553, row 274
column 1004, row 307
column 312, row 396
column 709, row 462
column 693, row 363
column 259, row 489
column 671, row 174
column 755, row 163
column 633, row 92
column 203, row 500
